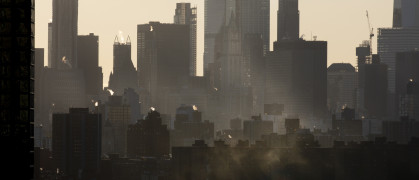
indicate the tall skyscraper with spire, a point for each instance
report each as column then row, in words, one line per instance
column 64, row 33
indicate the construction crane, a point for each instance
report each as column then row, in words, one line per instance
column 371, row 30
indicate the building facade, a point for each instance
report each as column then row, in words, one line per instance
column 77, row 143
column 17, row 61
column 185, row 14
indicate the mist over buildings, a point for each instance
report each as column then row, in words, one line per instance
column 261, row 110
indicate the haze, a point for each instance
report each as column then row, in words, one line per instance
column 340, row 22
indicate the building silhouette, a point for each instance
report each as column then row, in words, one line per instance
column 148, row 137
column 288, row 20
column 189, row 126
column 254, row 17
column 375, row 95
column 254, row 129
column 296, row 76
column 17, row 61
column 124, row 74
column 76, row 145
column 163, row 53
column 116, row 119
column 88, row 61
column 407, row 91
column 185, row 14
column 64, row 33
column 342, row 85
column 214, row 19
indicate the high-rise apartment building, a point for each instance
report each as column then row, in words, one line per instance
column 185, row 14
column 17, row 34
column 64, row 33
column 77, row 143
column 288, row 20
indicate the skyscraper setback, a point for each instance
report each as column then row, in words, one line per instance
column 64, row 33
column 288, row 20
column 184, row 14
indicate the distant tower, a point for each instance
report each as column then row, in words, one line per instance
column 124, row 74
column 288, row 20
column 64, row 33
column 406, row 13
column 88, row 61
column 214, row 19
column 184, row 14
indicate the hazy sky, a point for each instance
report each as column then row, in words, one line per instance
column 342, row 23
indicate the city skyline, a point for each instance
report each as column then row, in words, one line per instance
column 342, row 29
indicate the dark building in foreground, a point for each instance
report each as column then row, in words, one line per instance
column 17, row 34
column 115, row 167
column 76, row 143
column 366, row 160
column 148, row 138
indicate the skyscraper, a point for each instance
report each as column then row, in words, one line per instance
column 406, row 13
column 77, row 143
column 184, row 14
column 16, row 87
column 255, row 19
column 341, row 86
column 88, row 61
column 163, row 53
column 296, row 76
column 391, row 41
column 214, row 19
column 124, row 74
column 407, row 91
column 375, row 94
column 288, row 20
column 64, row 33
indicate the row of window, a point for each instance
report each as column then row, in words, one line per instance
column 21, row 57
column 20, row 42
column 17, row 72
column 7, row 28
column 22, row 100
